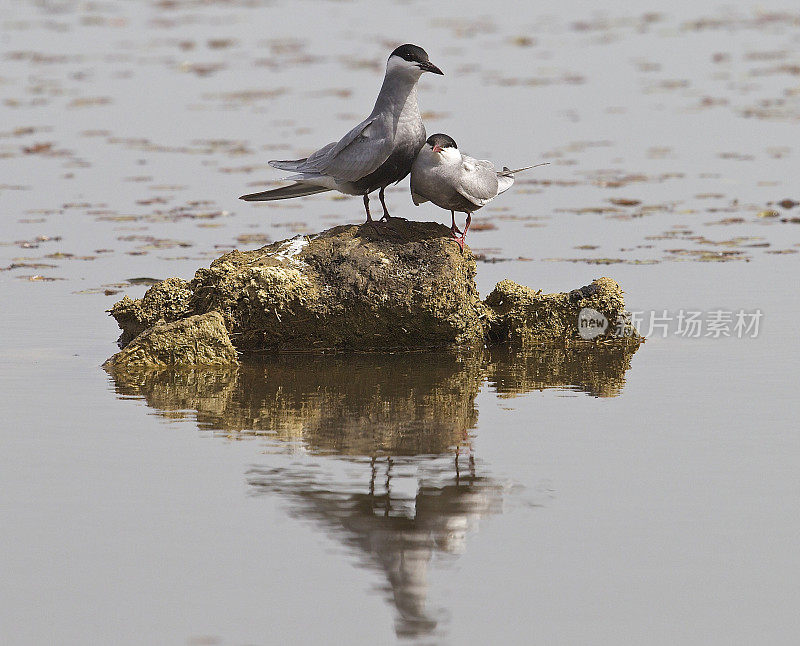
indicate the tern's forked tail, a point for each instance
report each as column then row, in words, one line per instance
column 506, row 172
column 287, row 164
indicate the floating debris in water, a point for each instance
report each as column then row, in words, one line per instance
column 483, row 225
column 144, row 280
column 36, row 278
column 253, row 238
column 703, row 255
column 28, row 265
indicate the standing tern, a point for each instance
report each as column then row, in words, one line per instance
column 456, row 182
column 379, row 151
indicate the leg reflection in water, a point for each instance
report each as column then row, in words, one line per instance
column 396, row 535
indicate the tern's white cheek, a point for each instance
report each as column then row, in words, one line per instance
column 396, row 65
column 451, row 155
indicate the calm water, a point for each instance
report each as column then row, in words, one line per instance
column 555, row 498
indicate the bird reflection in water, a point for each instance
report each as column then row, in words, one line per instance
column 401, row 421
column 395, row 534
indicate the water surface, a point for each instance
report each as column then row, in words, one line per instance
column 553, row 497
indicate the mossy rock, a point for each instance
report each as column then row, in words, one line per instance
column 164, row 302
column 200, row 340
column 524, row 317
column 399, row 285
column 371, row 287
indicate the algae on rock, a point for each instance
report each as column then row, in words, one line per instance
column 164, row 302
column 199, row 340
column 524, row 317
column 399, row 285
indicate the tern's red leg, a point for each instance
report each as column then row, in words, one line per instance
column 385, row 215
column 460, row 239
column 453, row 228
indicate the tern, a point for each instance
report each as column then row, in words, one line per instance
column 443, row 175
column 379, row 151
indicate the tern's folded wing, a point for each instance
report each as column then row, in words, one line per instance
column 360, row 152
column 477, row 181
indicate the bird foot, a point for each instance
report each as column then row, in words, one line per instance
column 459, row 240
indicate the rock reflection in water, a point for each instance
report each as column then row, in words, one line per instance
column 595, row 370
column 401, row 404
column 369, row 404
column 402, row 424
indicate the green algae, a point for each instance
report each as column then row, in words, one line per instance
column 200, row 340
column 395, row 286
column 164, row 302
column 524, row 317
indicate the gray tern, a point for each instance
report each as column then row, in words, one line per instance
column 443, row 175
column 379, row 151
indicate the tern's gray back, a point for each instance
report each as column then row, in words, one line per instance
column 378, row 151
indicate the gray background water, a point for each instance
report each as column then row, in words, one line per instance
column 662, row 512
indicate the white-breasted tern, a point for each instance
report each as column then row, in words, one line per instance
column 456, row 182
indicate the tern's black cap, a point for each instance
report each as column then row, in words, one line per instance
column 411, row 53
column 441, row 140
